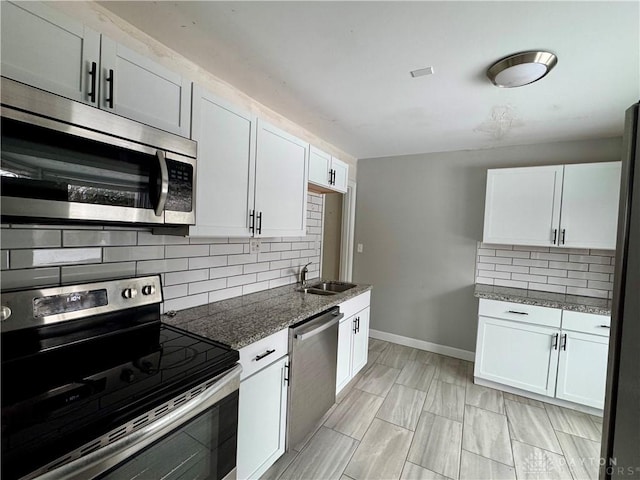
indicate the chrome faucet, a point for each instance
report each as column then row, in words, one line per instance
column 303, row 274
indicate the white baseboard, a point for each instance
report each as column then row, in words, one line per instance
column 422, row 345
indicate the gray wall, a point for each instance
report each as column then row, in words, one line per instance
column 419, row 218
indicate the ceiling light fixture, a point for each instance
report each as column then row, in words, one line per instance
column 521, row 69
column 422, row 72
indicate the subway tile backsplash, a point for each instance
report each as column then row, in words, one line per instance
column 195, row 271
column 550, row 269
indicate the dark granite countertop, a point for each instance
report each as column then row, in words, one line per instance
column 600, row 306
column 240, row 321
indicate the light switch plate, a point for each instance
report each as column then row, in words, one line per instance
column 254, row 245
column 360, row 248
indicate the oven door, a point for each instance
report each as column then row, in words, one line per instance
column 53, row 170
column 197, row 440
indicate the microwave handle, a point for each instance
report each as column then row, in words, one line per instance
column 164, row 188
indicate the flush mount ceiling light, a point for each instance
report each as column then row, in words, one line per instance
column 521, row 69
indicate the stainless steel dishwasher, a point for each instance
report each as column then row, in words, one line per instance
column 313, row 350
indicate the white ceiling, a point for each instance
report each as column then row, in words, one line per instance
column 341, row 69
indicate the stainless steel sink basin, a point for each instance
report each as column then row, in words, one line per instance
column 327, row 288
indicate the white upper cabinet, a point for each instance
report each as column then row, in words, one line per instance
column 327, row 173
column 522, row 205
column 226, row 166
column 136, row 87
column 252, row 176
column 281, row 183
column 562, row 205
column 590, row 196
column 319, row 166
column 43, row 48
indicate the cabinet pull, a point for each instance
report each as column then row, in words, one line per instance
column 330, row 176
column 93, row 73
column 564, row 231
column 555, row 235
column 110, row 79
column 265, row 354
column 555, row 341
column 358, row 324
column 286, row 374
column 355, row 325
column 605, row 326
column 252, row 221
column 564, row 342
column 333, row 177
column 260, row 222
column 518, row 313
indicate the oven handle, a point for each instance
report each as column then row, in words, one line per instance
column 164, row 187
column 108, row 457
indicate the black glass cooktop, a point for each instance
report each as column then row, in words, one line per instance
column 58, row 397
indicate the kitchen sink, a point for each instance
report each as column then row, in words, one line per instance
column 327, row 288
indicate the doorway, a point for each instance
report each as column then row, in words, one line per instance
column 332, row 236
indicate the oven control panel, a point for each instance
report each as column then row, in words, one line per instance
column 30, row 308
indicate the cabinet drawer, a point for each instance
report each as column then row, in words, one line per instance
column 260, row 354
column 550, row 317
column 586, row 323
column 355, row 304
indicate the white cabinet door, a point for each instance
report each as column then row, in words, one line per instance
column 360, row 342
column 340, row 175
column 262, row 420
column 517, row 354
column 582, row 369
column 136, row 87
column 46, row 49
column 281, row 183
column 319, row 166
column 345, row 340
column 226, row 166
column 590, row 195
column 522, row 205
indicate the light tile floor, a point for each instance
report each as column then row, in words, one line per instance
column 417, row 415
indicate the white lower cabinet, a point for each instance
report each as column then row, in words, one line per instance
column 353, row 339
column 262, row 412
column 582, row 370
column 517, row 354
column 562, row 354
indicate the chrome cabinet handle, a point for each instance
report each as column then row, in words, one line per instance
column 564, row 342
column 518, row 313
column 555, row 235
column 286, row 374
column 93, row 73
column 555, row 341
column 265, row 354
column 164, row 184
column 564, row 231
column 252, row 221
column 260, row 222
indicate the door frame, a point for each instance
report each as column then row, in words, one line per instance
column 348, row 232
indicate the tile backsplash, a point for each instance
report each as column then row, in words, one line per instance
column 550, row 269
column 195, row 271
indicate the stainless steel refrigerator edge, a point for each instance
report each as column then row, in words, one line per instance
column 621, row 433
column 313, row 346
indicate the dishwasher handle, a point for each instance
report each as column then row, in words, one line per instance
column 305, row 335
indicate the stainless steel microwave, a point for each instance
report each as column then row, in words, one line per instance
column 62, row 160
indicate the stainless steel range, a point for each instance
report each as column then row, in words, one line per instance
column 95, row 386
